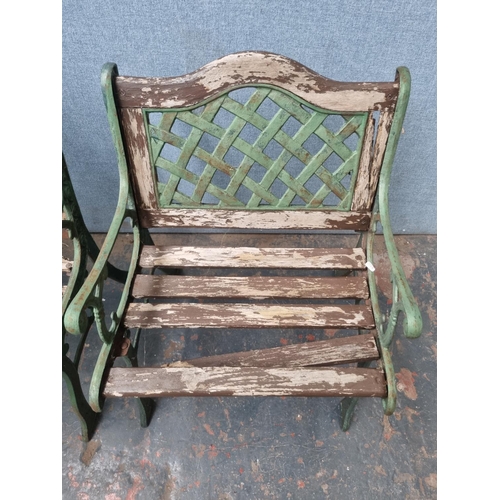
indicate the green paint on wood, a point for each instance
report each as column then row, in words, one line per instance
column 262, row 195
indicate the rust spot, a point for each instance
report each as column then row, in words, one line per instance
column 300, row 484
column 330, row 332
column 90, row 451
column 212, row 452
column 388, row 430
column 171, row 349
column 198, row 450
column 431, row 481
column 145, row 462
column 409, row 413
column 406, row 383
column 208, row 429
column 136, row 487
column 74, row 483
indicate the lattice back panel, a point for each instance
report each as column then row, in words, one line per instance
column 254, row 148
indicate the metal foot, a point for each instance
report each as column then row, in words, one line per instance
column 145, row 405
column 347, row 406
column 146, row 408
column 88, row 417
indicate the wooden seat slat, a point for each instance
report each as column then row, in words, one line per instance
column 231, row 381
column 189, row 315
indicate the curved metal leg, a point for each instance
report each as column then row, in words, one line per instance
column 347, row 406
column 88, row 417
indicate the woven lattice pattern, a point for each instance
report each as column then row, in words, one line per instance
column 255, row 148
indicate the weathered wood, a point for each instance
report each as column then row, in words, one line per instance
column 230, row 381
column 383, row 130
column 189, row 315
column 256, row 219
column 253, row 287
column 361, row 189
column 252, row 257
column 138, row 156
column 253, row 68
column 321, row 352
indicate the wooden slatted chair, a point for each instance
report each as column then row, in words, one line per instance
column 253, row 141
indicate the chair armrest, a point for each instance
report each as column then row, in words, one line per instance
column 412, row 321
column 403, row 300
column 90, row 294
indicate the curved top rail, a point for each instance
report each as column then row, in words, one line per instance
column 250, row 69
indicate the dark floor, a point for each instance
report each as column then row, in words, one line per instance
column 256, row 448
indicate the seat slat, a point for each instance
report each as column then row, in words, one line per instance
column 140, row 315
column 231, row 381
column 321, row 352
column 253, row 287
column 252, row 257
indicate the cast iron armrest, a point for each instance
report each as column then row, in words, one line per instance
column 403, row 300
column 90, row 294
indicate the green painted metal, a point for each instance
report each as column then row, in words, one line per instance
column 403, row 301
column 90, row 294
column 82, row 249
column 297, row 195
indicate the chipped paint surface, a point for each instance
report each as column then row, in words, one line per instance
column 247, row 68
column 255, row 287
column 186, row 256
column 336, row 351
column 138, row 154
column 191, row 315
column 256, row 219
column 235, row 381
column 360, row 200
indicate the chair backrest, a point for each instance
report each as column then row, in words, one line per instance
column 247, row 138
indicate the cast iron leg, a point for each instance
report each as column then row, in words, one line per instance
column 347, row 405
column 88, row 417
column 145, row 405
